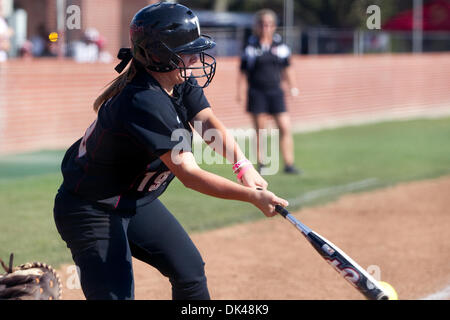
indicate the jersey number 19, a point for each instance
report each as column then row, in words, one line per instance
column 156, row 183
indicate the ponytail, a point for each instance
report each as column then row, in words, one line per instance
column 116, row 86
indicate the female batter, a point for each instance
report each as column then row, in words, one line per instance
column 107, row 208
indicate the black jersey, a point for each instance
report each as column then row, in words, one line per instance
column 263, row 66
column 116, row 163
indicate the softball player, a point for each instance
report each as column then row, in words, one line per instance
column 265, row 63
column 107, row 208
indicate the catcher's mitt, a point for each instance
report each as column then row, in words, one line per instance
column 29, row 281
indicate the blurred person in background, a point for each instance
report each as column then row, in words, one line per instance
column 5, row 34
column 39, row 41
column 103, row 55
column 91, row 48
column 265, row 65
column 41, row 46
column 26, row 50
column 86, row 50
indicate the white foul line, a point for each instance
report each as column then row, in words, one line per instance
column 325, row 192
column 444, row 294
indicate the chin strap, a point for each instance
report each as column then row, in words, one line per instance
column 125, row 55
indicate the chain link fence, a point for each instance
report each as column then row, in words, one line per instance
column 230, row 41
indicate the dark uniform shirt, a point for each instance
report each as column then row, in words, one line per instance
column 116, row 164
column 263, row 66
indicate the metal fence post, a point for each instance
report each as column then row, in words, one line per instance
column 356, row 42
column 313, row 41
column 418, row 26
column 361, row 42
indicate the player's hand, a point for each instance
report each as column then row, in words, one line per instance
column 294, row 92
column 251, row 178
column 265, row 201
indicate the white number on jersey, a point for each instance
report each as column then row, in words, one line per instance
column 159, row 180
column 82, row 148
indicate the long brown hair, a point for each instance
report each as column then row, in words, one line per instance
column 116, row 86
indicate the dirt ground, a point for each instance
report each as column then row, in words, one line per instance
column 403, row 231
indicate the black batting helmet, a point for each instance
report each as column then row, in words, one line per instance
column 160, row 32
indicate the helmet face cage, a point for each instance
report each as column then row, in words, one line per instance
column 174, row 61
column 208, row 68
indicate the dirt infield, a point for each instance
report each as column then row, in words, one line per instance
column 402, row 230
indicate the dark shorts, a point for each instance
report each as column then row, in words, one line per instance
column 102, row 244
column 265, row 101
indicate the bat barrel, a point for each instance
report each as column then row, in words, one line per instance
column 342, row 263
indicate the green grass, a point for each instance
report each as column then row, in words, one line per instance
column 391, row 152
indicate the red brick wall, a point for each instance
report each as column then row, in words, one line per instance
column 47, row 103
column 106, row 17
column 349, row 88
column 110, row 17
column 36, row 13
column 50, row 15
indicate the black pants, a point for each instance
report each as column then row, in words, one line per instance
column 102, row 244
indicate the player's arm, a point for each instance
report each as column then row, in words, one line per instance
column 241, row 84
column 222, row 142
column 288, row 77
column 241, row 77
column 287, row 73
column 184, row 167
column 225, row 144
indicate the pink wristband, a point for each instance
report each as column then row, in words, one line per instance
column 242, row 171
column 239, row 164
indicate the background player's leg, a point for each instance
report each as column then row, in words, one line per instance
column 157, row 238
column 258, row 107
column 286, row 141
column 259, row 122
column 277, row 108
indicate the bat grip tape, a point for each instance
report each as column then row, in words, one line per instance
column 281, row 210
